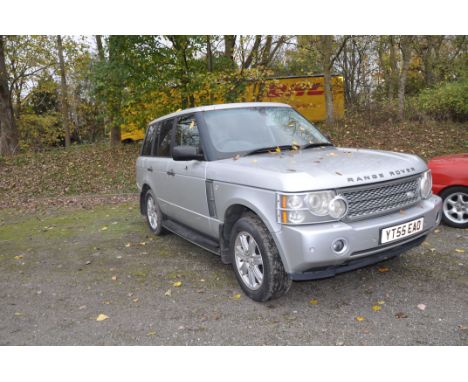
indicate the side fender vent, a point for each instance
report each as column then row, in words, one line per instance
column 211, row 199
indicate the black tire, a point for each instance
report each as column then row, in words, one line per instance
column 275, row 281
column 157, row 229
column 446, row 194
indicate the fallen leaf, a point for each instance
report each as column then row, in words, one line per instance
column 437, row 231
column 338, row 173
column 237, row 296
column 151, row 334
column 360, row 318
column 168, row 293
column 177, row 284
column 101, row 317
column 236, row 157
column 459, row 250
column 192, row 124
column 383, row 269
column 18, row 314
column 381, row 302
column 105, row 228
column 277, row 150
column 401, row 315
column 376, row 308
column 313, row 301
column 143, row 243
column 136, row 299
column 88, row 262
column 19, row 257
column 82, row 307
column 402, row 212
column 128, row 245
column 332, row 154
column 114, row 278
column 421, row 307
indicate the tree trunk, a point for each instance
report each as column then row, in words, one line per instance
column 229, row 44
column 253, row 55
column 8, row 129
column 209, row 54
column 100, row 47
column 405, row 47
column 114, row 106
column 393, row 83
column 64, row 88
column 326, row 47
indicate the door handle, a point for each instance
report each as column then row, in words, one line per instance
column 170, row 172
column 150, row 169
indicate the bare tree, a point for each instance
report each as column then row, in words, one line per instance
column 64, row 95
column 8, row 129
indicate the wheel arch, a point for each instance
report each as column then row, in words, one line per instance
column 233, row 213
column 144, row 189
column 451, row 186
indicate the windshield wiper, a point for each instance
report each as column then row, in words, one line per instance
column 271, row 149
column 311, row 145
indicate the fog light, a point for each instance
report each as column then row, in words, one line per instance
column 339, row 246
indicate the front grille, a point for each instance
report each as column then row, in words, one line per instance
column 381, row 198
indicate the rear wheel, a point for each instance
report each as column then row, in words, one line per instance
column 256, row 261
column 153, row 213
column 455, row 206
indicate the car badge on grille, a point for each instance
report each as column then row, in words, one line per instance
column 410, row 194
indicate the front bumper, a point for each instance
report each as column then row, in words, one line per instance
column 307, row 251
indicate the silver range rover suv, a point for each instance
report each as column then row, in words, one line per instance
column 260, row 186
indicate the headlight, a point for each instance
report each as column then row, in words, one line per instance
column 311, row 207
column 425, row 185
column 338, row 207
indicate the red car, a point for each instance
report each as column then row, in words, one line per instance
column 450, row 182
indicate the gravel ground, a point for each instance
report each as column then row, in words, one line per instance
column 60, row 269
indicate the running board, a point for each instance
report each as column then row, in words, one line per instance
column 192, row 236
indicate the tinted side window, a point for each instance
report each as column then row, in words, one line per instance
column 148, row 144
column 187, row 132
column 164, row 139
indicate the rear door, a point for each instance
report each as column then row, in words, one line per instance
column 158, row 162
column 186, row 180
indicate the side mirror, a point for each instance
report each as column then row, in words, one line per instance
column 185, row 153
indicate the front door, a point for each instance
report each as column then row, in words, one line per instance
column 186, row 180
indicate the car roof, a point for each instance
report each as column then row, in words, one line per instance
column 220, row 107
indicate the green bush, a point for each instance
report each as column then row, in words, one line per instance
column 446, row 101
column 40, row 131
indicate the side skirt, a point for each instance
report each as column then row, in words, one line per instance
column 192, row 236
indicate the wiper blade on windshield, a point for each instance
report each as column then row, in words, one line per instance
column 271, row 149
column 310, row 145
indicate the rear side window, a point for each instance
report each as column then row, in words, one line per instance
column 164, row 139
column 187, row 132
column 150, row 138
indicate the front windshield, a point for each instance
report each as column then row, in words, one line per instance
column 242, row 130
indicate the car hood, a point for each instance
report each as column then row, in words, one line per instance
column 449, row 160
column 315, row 168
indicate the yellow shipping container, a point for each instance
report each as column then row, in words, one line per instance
column 304, row 93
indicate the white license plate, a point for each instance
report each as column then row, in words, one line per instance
column 398, row 232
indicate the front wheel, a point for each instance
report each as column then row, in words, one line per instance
column 256, row 261
column 455, row 206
